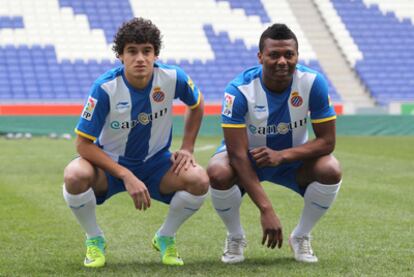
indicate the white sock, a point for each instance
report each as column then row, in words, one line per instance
column 318, row 198
column 182, row 206
column 227, row 204
column 83, row 207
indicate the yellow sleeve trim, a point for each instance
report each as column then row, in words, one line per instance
column 198, row 101
column 82, row 134
column 233, row 125
column 323, row 119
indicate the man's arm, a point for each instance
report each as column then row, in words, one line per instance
column 95, row 155
column 237, row 149
column 183, row 158
column 322, row 144
column 192, row 125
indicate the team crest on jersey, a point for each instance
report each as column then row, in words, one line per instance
column 89, row 108
column 296, row 100
column 158, row 95
column 228, row 104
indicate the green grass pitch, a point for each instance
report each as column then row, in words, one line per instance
column 368, row 231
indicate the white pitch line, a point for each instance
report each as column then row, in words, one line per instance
column 205, row 148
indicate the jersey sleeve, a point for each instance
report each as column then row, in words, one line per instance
column 94, row 113
column 320, row 105
column 234, row 108
column 186, row 90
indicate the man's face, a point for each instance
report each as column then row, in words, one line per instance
column 138, row 60
column 279, row 59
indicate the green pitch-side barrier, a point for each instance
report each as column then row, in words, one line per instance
column 360, row 125
column 407, row 108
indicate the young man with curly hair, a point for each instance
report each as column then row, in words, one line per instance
column 123, row 140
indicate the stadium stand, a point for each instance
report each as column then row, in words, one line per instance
column 52, row 50
column 384, row 35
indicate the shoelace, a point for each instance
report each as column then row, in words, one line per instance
column 93, row 251
column 170, row 249
column 234, row 245
column 94, row 246
column 304, row 245
column 93, row 242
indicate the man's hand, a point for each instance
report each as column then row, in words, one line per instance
column 272, row 229
column 138, row 192
column 182, row 159
column 265, row 156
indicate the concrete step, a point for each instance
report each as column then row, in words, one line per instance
column 329, row 55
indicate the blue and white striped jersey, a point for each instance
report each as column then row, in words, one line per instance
column 276, row 120
column 133, row 125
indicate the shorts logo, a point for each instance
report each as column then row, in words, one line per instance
column 158, row 95
column 228, row 104
column 296, row 100
column 89, row 108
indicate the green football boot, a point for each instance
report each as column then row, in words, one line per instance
column 95, row 252
column 166, row 246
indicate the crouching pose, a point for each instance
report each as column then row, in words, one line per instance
column 124, row 135
column 264, row 119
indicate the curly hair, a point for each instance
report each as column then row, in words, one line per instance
column 137, row 30
column 279, row 32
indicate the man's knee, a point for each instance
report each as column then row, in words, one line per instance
column 325, row 170
column 330, row 172
column 334, row 174
column 78, row 176
column 221, row 177
column 197, row 181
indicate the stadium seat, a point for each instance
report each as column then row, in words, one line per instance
column 220, row 42
column 379, row 32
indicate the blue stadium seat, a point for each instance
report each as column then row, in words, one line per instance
column 380, row 37
column 386, row 44
column 252, row 7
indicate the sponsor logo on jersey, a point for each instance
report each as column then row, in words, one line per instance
column 190, row 83
column 259, row 109
column 296, row 100
column 282, row 128
column 143, row 119
column 89, row 108
column 158, row 95
column 122, row 105
column 228, row 104
column 252, row 129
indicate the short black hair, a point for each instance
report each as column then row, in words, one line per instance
column 137, row 30
column 277, row 31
